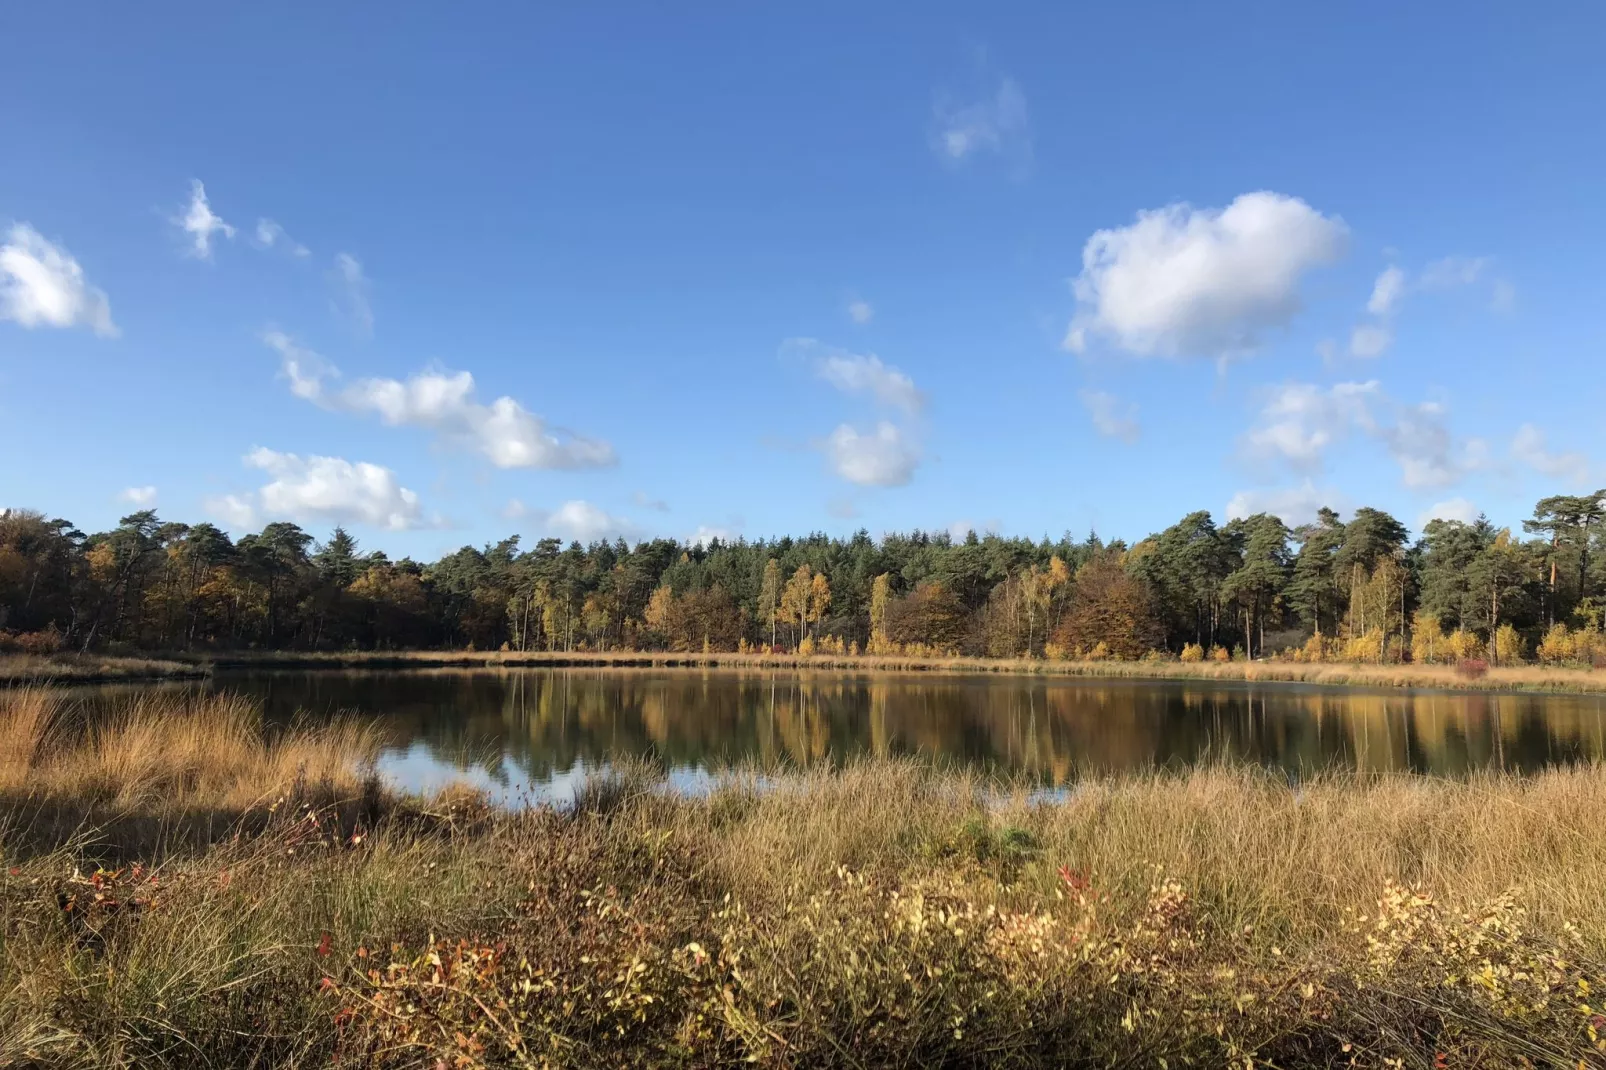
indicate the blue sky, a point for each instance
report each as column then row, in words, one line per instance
column 759, row 271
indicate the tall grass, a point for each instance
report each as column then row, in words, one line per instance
column 886, row 913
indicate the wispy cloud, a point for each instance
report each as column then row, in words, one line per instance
column 860, row 311
column 643, row 501
column 200, row 223
column 1111, row 417
column 351, row 288
column 270, row 235
column 503, row 431
column 1300, row 422
column 1530, row 449
column 995, row 122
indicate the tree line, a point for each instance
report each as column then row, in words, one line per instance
column 1357, row 590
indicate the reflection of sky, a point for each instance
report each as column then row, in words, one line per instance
column 418, row 769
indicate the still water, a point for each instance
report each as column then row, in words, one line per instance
column 536, row 733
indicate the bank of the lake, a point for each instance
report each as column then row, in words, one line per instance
column 187, row 886
column 35, row 669
column 1516, row 678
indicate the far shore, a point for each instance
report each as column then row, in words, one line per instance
column 92, row 669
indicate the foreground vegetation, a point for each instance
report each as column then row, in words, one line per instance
column 1330, row 591
column 184, row 887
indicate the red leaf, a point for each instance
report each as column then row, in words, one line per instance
column 323, row 944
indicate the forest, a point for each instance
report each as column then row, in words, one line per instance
column 1359, row 590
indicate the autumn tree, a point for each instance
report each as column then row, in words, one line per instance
column 1111, row 607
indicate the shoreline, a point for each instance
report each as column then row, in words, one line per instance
column 23, row 670
column 1517, row 679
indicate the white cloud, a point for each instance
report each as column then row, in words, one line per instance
column 1293, row 505
column 1301, row 421
column 880, row 458
column 271, row 235
column 960, row 530
column 41, row 285
column 1387, row 291
column 860, row 311
column 1111, row 417
column 304, row 368
column 506, row 433
column 321, row 489
column 1369, row 340
column 1451, row 509
column 237, row 512
column 575, row 521
column 855, row 374
column 143, row 497
column 200, row 222
column 1453, row 271
column 997, row 123
column 1529, row 448
column 643, row 501
column 351, row 294
column 1185, row 281
column 706, row 534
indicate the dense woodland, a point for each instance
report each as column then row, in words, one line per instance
column 1252, row 587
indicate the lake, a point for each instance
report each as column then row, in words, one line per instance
column 536, row 733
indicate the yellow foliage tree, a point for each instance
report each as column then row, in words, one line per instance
column 880, row 598
column 1428, row 645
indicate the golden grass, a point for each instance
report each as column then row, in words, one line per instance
column 1541, row 678
column 35, row 669
column 169, row 751
column 882, row 913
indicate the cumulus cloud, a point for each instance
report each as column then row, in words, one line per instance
column 1529, row 448
column 504, row 432
column 996, row 123
column 706, row 534
column 1386, row 291
column 317, row 489
column 1293, row 505
column 41, row 285
column 199, row 222
column 1201, row 281
column 1111, row 418
column 1299, row 422
column 883, row 457
column 860, row 311
column 142, row 497
column 351, row 288
column 1451, row 509
column 575, row 521
column 270, row 235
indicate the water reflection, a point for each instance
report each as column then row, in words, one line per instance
column 541, row 731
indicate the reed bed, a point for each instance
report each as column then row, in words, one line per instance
column 880, row 913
